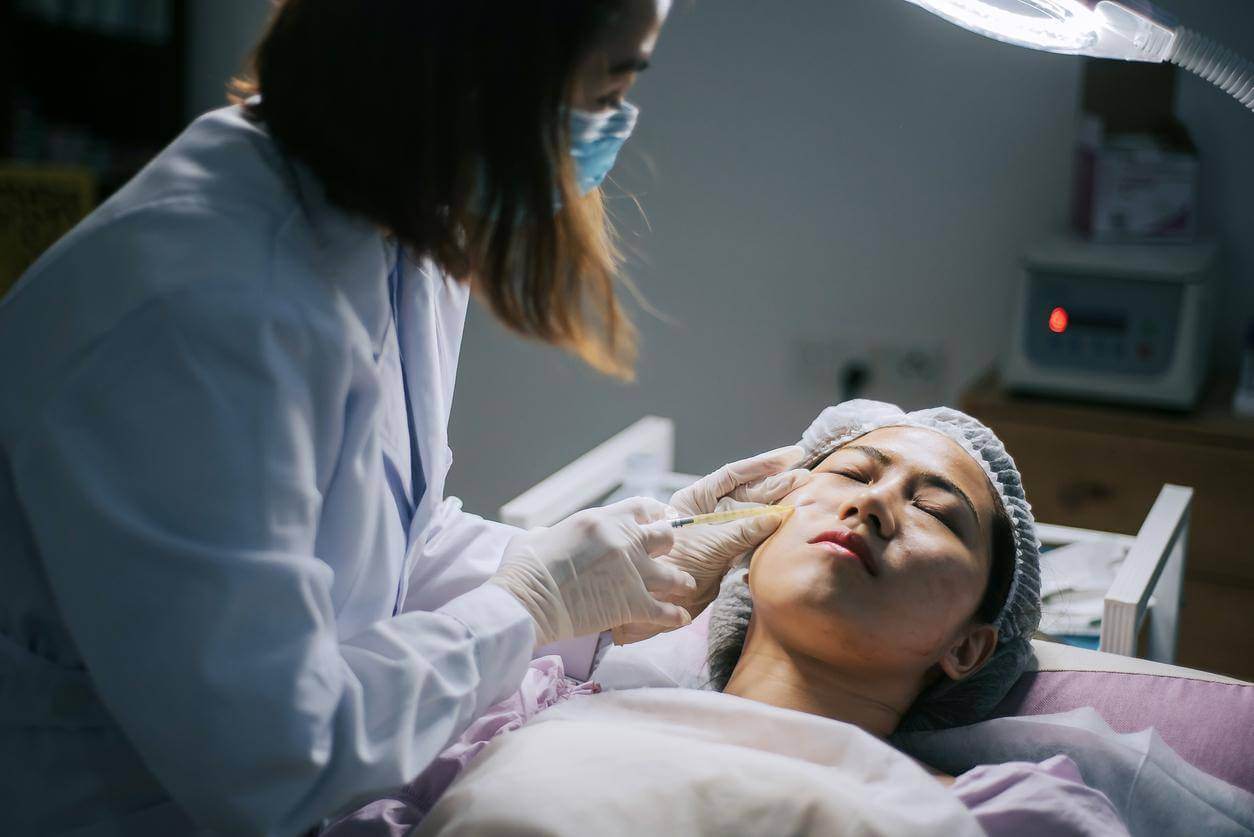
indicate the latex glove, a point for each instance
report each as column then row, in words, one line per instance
column 707, row 552
column 595, row 571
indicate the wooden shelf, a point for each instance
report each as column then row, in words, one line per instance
column 1212, row 423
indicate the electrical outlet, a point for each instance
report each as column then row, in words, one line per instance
column 827, row 364
column 912, row 375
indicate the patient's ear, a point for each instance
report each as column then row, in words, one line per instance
column 969, row 651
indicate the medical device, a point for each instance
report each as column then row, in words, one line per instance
column 1131, row 30
column 1119, row 323
column 728, row 516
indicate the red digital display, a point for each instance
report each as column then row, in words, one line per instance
column 1058, row 320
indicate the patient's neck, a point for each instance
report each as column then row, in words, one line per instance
column 769, row 673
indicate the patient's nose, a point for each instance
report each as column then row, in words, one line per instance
column 870, row 508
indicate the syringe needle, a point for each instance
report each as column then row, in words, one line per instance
column 728, row 516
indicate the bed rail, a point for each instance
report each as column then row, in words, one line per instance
column 594, row 475
column 1154, row 567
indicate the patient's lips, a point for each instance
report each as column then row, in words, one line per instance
column 851, row 544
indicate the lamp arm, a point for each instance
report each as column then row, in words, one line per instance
column 1215, row 63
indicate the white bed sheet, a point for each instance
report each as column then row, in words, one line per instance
column 679, row 761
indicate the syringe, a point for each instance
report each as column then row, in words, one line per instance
column 728, row 516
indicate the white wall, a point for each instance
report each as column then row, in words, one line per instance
column 854, row 171
column 1224, row 133
column 221, row 33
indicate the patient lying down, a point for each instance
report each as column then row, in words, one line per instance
column 901, row 594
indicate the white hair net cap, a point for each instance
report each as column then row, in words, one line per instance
column 946, row 703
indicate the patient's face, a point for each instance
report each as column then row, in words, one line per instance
column 886, row 556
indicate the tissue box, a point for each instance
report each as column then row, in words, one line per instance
column 1138, row 188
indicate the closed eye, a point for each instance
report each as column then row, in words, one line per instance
column 943, row 515
column 850, row 474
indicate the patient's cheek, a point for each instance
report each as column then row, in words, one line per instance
column 788, row 529
column 824, row 488
column 772, row 553
column 944, row 599
column 765, row 549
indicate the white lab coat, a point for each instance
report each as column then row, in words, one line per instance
column 201, row 559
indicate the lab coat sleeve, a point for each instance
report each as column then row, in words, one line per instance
column 174, row 489
column 461, row 551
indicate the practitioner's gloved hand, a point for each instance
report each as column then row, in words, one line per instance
column 595, row 571
column 707, row 552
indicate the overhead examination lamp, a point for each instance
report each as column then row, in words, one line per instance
column 1132, row 30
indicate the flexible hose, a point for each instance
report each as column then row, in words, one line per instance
column 1217, row 64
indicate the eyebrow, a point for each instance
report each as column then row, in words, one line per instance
column 631, row 65
column 934, row 480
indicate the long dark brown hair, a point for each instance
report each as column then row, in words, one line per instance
column 443, row 122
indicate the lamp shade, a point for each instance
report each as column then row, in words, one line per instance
column 1129, row 29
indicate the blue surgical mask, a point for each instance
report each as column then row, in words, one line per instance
column 595, row 139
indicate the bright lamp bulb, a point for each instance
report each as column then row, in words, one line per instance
column 1133, row 30
column 1129, row 29
column 1040, row 24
